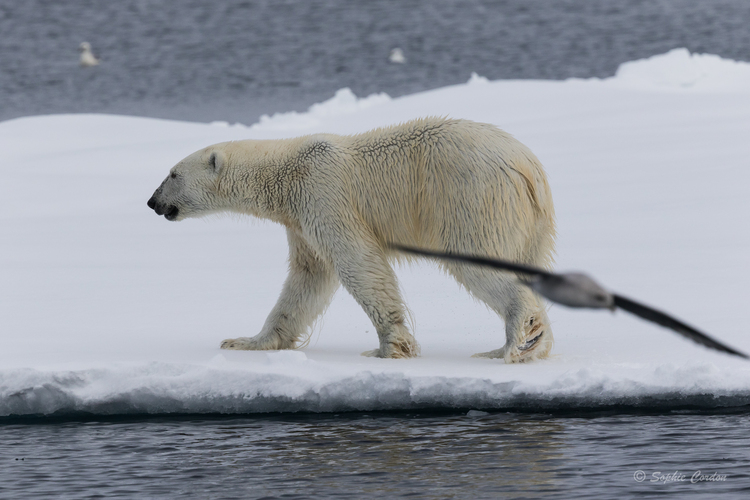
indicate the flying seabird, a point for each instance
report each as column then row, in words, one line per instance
column 87, row 57
column 579, row 290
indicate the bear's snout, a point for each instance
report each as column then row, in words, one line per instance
column 168, row 211
column 171, row 213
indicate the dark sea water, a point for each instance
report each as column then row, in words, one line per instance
column 408, row 455
column 233, row 60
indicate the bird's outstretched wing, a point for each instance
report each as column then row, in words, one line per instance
column 475, row 259
column 668, row 321
column 561, row 288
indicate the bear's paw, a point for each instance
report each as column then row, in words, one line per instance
column 248, row 344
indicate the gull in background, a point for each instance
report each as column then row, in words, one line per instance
column 397, row 56
column 87, row 58
column 579, row 290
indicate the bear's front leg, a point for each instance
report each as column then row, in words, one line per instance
column 306, row 293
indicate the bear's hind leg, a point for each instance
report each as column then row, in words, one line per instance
column 528, row 335
column 531, row 338
column 306, row 293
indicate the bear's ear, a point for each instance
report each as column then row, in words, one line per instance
column 214, row 162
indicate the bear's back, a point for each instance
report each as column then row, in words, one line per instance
column 440, row 183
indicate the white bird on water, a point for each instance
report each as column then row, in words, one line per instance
column 87, row 58
column 579, row 290
column 397, row 56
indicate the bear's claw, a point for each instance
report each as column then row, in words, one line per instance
column 530, row 350
column 240, row 344
column 530, row 343
column 395, row 350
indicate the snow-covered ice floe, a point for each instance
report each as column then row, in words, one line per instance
column 159, row 388
column 106, row 309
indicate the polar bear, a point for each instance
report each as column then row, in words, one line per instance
column 441, row 184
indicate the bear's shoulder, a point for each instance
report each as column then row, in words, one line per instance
column 315, row 146
column 408, row 134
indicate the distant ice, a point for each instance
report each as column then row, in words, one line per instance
column 679, row 68
column 475, row 78
column 343, row 103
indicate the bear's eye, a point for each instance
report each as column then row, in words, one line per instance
column 212, row 161
column 173, row 175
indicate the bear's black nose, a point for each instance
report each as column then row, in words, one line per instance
column 151, row 203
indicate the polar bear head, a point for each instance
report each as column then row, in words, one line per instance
column 193, row 186
column 251, row 177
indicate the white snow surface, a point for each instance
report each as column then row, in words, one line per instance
column 109, row 309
